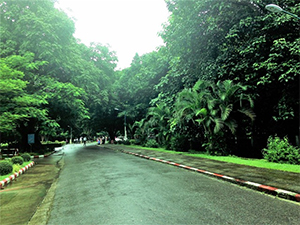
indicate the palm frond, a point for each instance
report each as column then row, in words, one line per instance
column 232, row 125
column 225, row 112
column 219, row 124
column 249, row 113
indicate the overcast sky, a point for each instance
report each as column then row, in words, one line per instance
column 128, row 26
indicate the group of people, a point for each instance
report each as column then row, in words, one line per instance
column 80, row 140
column 101, row 140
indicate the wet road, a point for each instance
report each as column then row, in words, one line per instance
column 101, row 186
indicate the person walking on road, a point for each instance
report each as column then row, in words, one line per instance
column 84, row 141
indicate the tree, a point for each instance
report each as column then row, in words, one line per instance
column 142, row 131
column 71, row 76
column 193, row 35
column 135, row 86
column 17, row 105
column 265, row 49
column 213, row 107
column 158, row 118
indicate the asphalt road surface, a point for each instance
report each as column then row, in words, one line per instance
column 102, row 186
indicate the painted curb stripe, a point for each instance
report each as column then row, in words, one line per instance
column 297, row 196
column 42, row 156
column 268, row 189
column 15, row 175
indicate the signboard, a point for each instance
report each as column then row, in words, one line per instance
column 30, row 138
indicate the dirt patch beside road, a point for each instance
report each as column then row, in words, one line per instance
column 22, row 197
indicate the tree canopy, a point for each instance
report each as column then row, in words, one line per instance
column 227, row 74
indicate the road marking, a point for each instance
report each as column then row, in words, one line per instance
column 260, row 187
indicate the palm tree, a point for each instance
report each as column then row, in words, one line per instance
column 213, row 107
column 159, row 117
column 142, row 131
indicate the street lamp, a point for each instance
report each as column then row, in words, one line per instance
column 125, row 130
column 70, row 134
column 278, row 9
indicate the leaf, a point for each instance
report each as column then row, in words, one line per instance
column 248, row 112
column 202, row 112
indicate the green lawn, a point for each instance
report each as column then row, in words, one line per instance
column 16, row 168
column 262, row 163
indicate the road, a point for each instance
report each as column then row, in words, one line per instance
column 102, row 186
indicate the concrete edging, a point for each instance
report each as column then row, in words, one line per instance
column 21, row 171
column 259, row 187
column 42, row 156
column 15, row 175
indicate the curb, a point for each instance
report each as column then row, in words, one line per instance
column 15, row 175
column 259, row 187
column 42, row 156
column 21, row 171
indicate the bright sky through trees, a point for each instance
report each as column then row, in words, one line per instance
column 128, row 26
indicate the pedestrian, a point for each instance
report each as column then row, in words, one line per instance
column 84, row 141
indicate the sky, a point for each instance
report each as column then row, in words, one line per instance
column 128, row 26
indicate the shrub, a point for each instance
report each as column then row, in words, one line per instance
column 280, row 150
column 17, row 160
column 26, row 157
column 127, row 142
column 151, row 143
column 179, row 142
column 132, row 141
column 3, row 145
column 138, row 142
column 217, row 145
column 16, row 168
column 118, row 142
column 5, row 168
column 123, row 142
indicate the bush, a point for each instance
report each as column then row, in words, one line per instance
column 5, row 168
column 118, row 142
column 127, row 142
column 217, row 146
column 151, row 143
column 132, row 142
column 17, row 160
column 280, row 150
column 26, row 157
column 3, row 145
column 138, row 142
column 179, row 142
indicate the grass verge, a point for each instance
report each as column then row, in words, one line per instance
column 16, row 168
column 261, row 163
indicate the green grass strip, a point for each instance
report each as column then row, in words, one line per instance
column 16, row 168
column 261, row 163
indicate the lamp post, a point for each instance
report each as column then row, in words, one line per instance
column 278, row 9
column 125, row 130
column 70, row 134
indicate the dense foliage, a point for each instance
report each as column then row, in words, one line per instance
column 5, row 167
column 17, row 160
column 26, row 157
column 50, row 83
column 281, row 151
column 226, row 79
